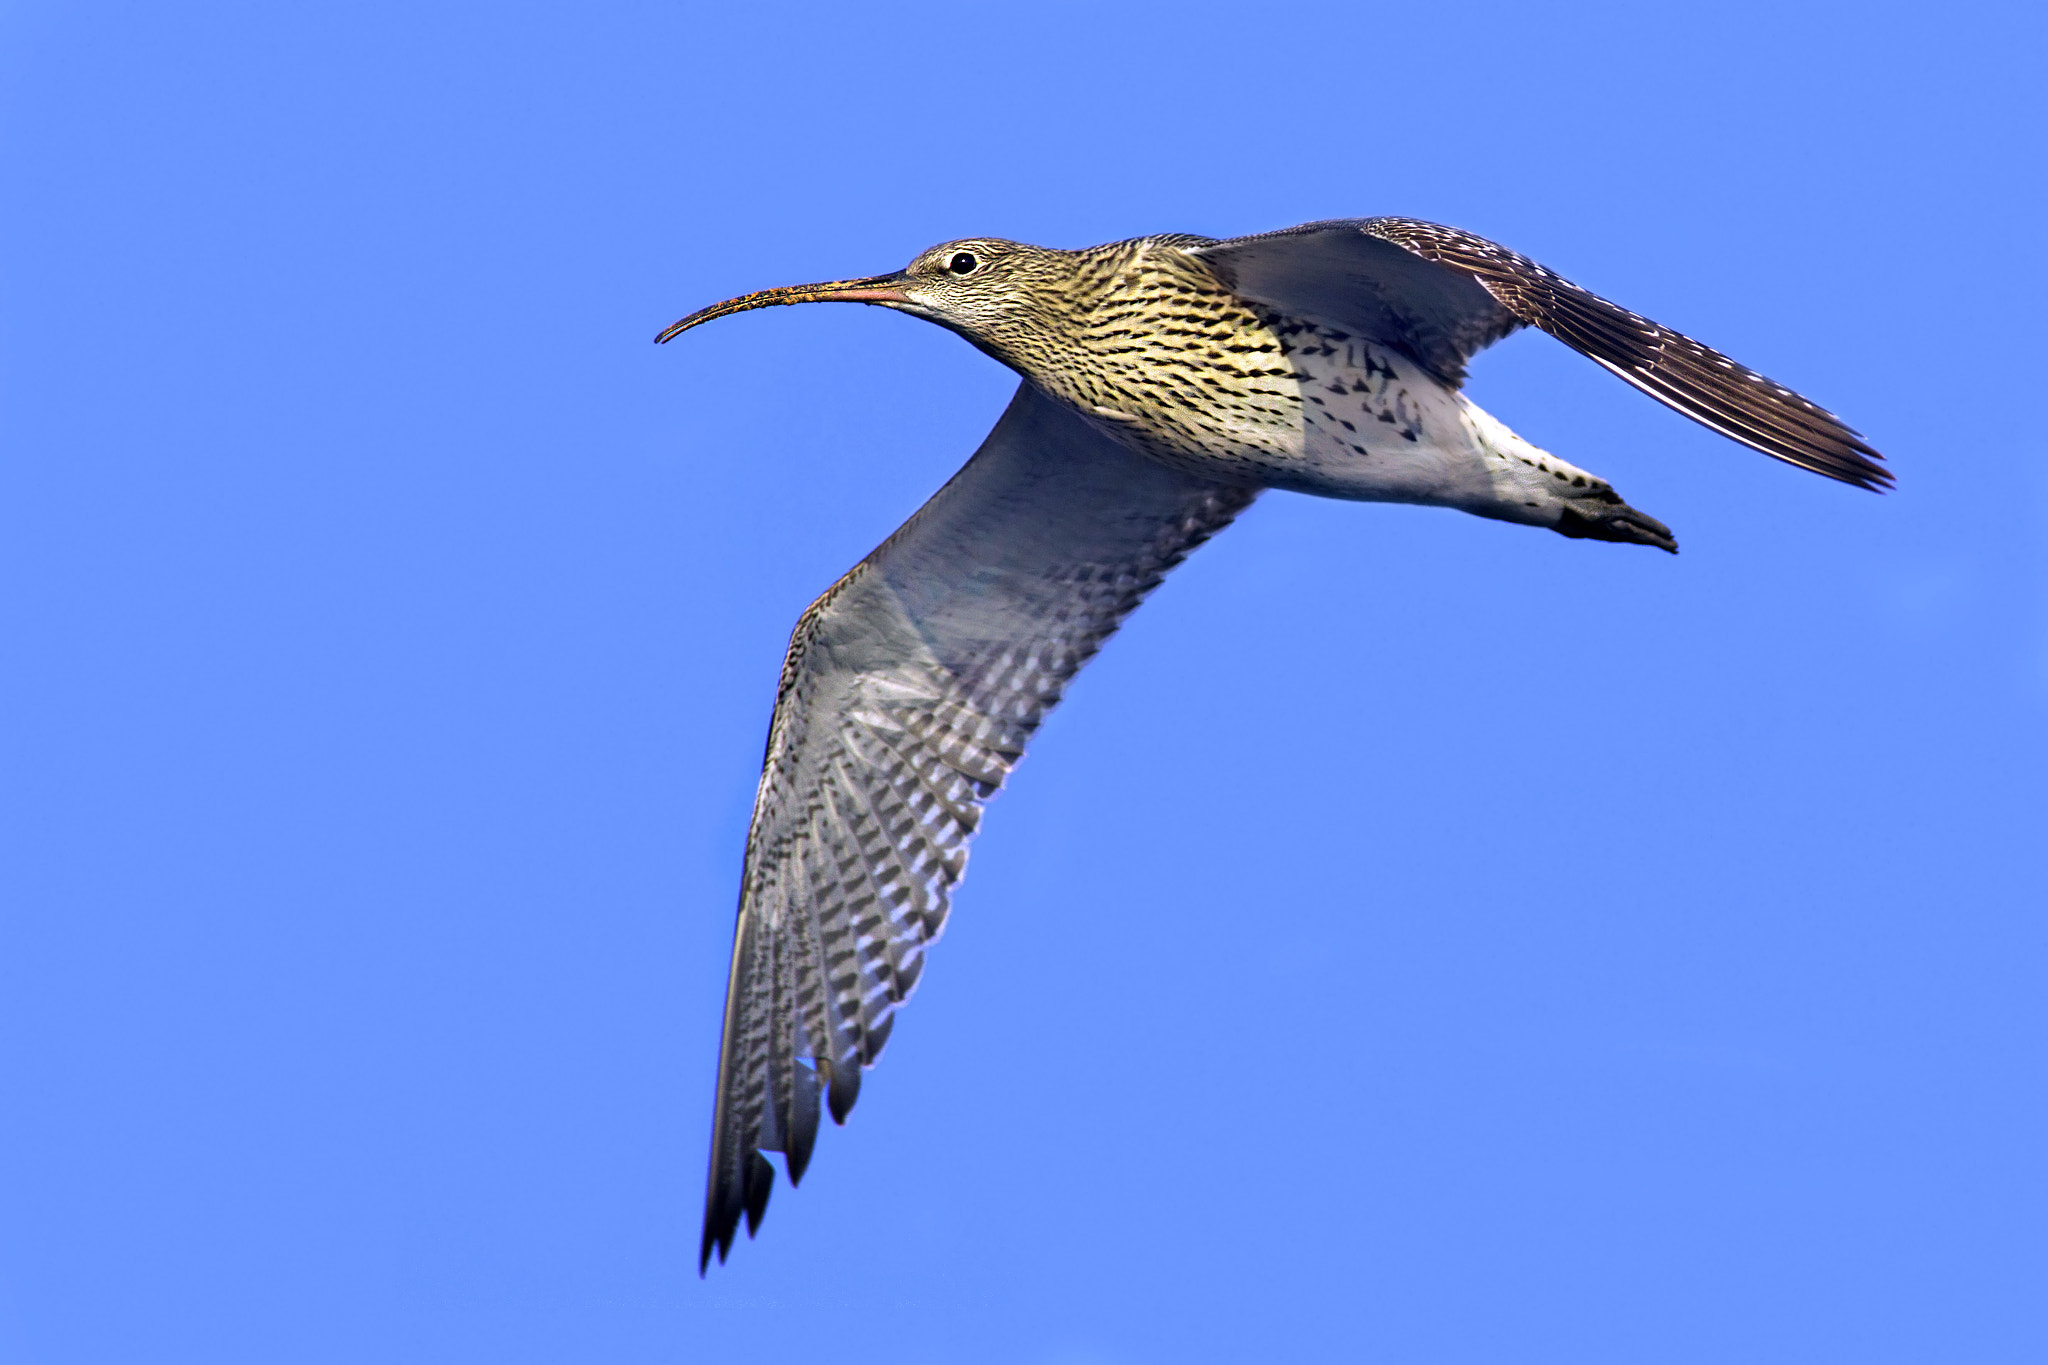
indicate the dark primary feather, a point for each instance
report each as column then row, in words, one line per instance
column 909, row 691
column 1442, row 294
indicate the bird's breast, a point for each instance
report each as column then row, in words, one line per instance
column 1171, row 363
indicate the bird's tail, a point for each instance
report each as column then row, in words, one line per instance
column 1533, row 486
column 1602, row 515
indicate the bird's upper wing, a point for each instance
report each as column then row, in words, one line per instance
column 1441, row 295
column 908, row 693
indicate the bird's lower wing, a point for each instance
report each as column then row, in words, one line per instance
column 1345, row 269
column 909, row 691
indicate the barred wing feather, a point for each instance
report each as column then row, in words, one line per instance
column 1443, row 294
column 909, row 692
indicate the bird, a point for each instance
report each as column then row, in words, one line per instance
column 1166, row 382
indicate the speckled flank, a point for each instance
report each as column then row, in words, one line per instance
column 1348, row 375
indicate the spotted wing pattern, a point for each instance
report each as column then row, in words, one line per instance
column 1345, row 270
column 909, row 692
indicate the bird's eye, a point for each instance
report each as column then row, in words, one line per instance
column 963, row 263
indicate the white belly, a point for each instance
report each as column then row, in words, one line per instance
column 1377, row 427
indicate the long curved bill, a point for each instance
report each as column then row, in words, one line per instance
column 875, row 289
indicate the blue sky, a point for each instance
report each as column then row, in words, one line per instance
column 1417, row 939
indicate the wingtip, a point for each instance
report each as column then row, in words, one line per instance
column 727, row 1206
column 842, row 1090
column 718, row 1235
column 1863, row 473
column 760, row 1184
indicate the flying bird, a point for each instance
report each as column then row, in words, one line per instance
column 1167, row 381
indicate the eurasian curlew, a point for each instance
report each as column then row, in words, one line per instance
column 1167, row 381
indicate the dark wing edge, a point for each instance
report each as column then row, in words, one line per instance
column 1682, row 373
column 908, row 693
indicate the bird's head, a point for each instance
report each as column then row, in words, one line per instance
column 988, row 290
